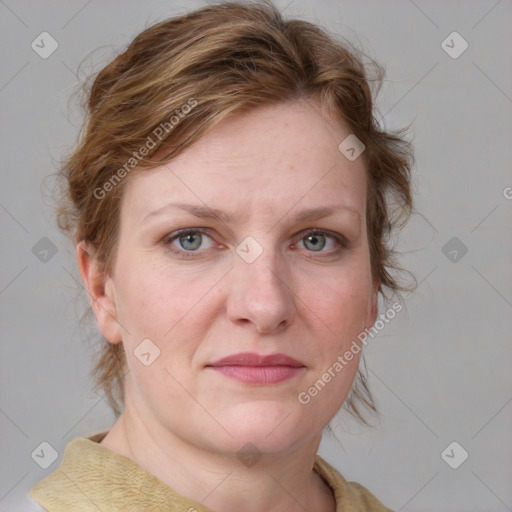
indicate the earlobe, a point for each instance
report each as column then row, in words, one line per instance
column 100, row 288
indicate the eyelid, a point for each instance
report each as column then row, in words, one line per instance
column 342, row 241
column 185, row 231
column 327, row 232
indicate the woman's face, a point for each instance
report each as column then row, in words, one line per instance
column 275, row 261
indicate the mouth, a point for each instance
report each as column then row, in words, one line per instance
column 252, row 368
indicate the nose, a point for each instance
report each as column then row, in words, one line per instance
column 261, row 293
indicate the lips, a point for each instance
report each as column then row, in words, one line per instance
column 251, row 359
column 255, row 369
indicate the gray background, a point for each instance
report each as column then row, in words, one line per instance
column 440, row 370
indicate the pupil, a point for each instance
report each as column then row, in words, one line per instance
column 315, row 241
column 187, row 242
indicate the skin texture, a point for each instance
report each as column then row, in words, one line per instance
column 183, row 422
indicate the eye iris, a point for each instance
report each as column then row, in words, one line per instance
column 317, row 242
column 191, row 241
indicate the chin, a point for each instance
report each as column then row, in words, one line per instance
column 270, row 425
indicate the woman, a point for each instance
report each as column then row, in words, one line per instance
column 230, row 203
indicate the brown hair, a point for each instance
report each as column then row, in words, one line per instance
column 179, row 78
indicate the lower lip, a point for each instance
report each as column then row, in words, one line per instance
column 259, row 374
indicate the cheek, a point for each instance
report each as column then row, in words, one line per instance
column 155, row 298
column 161, row 331
column 172, row 308
column 337, row 302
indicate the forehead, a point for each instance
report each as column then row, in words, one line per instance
column 267, row 159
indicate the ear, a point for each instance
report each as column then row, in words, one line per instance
column 372, row 310
column 100, row 288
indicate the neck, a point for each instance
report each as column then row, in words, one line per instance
column 220, row 481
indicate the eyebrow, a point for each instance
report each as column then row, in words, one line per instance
column 206, row 212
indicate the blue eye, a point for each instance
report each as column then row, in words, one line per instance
column 189, row 240
column 194, row 242
column 316, row 241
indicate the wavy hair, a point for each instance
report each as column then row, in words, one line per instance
column 226, row 58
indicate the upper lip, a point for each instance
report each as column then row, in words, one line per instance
column 252, row 359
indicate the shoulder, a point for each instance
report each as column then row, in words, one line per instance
column 27, row 504
column 350, row 496
column 92, row 477
column 81, row 461
column 365, row 499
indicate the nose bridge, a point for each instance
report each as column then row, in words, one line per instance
column 260, row 292
column 264, row 269
column 259, row 265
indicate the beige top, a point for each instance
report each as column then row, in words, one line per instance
column 92, row 477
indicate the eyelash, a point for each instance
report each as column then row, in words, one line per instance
column 339, row 239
